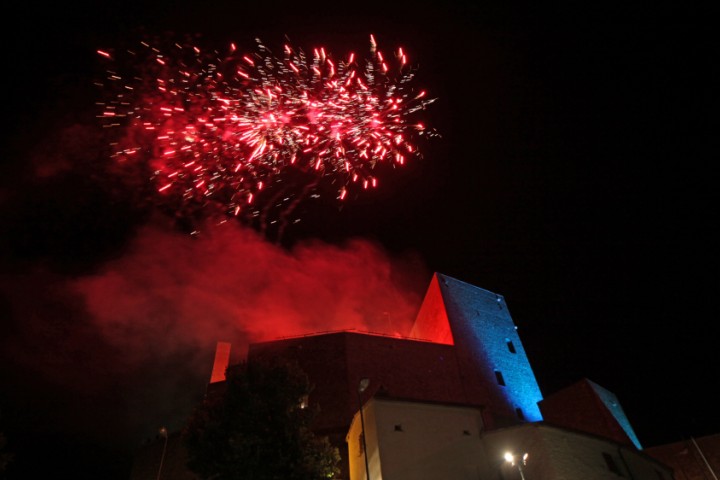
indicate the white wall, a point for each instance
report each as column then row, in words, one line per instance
column 441, row 442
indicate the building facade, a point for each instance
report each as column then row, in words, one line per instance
column 691, row 458
column 420, row 441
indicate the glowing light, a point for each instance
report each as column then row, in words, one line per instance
column 517, row 461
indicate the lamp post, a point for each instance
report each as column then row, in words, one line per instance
column 163, row 433
column 364, row 382
column 518, row 461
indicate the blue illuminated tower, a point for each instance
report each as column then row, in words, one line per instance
column 495, row 368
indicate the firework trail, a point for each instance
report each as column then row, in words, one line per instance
column 249, row 134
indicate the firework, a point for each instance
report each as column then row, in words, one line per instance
column 219, row 128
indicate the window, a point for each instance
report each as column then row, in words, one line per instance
column 499, row 377
column 361, row 445
column 398, row 428
column 510, row 345
column 612, row 466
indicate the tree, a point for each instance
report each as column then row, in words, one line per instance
column 258, row 428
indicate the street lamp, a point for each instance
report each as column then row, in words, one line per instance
column 163, row 433
column 517, row 460
column 362, row 386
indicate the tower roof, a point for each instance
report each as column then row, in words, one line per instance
column 587, row 406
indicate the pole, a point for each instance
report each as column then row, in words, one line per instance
column 361, row 388
column 163, row 432
column 704, row 459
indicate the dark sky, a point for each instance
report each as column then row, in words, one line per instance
column 572, row 175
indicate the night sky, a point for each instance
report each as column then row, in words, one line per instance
column 573, row 176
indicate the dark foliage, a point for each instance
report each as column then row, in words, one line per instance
column 258, row 428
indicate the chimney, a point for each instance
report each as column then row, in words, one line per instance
column 222, row 360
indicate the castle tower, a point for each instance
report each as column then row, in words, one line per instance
column 488, row 349
column 587, row 406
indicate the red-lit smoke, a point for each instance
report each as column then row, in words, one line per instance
column 137, row 337
column 172, row 290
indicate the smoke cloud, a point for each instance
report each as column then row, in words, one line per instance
column 137, row 336
column 176, row 291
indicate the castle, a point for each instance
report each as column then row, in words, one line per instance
column 457, row 398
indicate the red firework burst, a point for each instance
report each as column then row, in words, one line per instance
column 219, row 128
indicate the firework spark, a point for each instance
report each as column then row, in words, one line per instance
column 219, row 129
